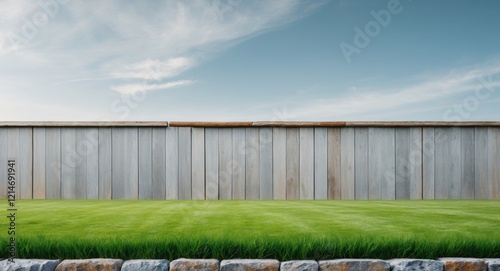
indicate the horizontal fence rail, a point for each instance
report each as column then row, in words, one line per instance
column 252, row 160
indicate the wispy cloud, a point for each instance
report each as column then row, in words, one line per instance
column 131, row 89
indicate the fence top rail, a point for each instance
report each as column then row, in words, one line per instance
column 249, row 124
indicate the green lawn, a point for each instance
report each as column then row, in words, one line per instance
column 255, row 229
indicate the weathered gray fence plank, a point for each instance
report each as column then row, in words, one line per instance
column 53, row 163
column 468, row 167
column 185, row 163
column 38, row 162
column 198, row 163
column 266, row 162
column 159, row 162
column 415, row 160
column 80, row 157
column 494, row 162
column 292, row 163
column 481, row 156
column 252, row 168
column 382, row 163
column 306, row 161
column 403, row 163
column 105, row 154
column 3, row 163
column 13, row 154
column 347, row 170
column 334, row 173
column 361, row 163
column 448, row 172
column 125, row 164
column 172, row 163
column 239, row 163
column 145, row 162
column 69, row 163
column 320, row 163
column 279, row 163
column 428, row 163
column 25, row 167
column 212, row 163
column 92, row 141
column 225, row 163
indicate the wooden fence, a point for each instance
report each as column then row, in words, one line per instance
column 266, row 160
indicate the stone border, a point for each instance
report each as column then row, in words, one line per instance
column 443, row 264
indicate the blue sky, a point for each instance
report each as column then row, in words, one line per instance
column 236, row 60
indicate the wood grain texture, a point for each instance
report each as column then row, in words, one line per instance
column 306, row 163
column 266, row 163
column 3, row 161
column 334, row 164
column 468, row 163
column 125, row 164
column 225, row 163
column 212, row 163
column 80, row 153
column 69, row 163
column 239, row 135
column 428, row 163
column 25, row 167
column 53, row 163
column 494, row 162
column 292, row 164
column 279, row 163
column 361, row 163
column 252, row 164
column 347, row 169
column 448, row 162
column 172, row 163
column 145, row 164
column 185, row 163
column 320, row 163
column 159, row 162
column 92, row 142
column 415, row 160
column 403, row 168
column 105, row 154
column 382, row 163
column 198, row 163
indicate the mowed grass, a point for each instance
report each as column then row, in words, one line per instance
column 281, row 230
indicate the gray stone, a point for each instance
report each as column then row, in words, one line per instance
column 194, row 264
column 299, row 266
column 493, row 264
column 416, row 265
column 90, row 265
column 464, row 264
column 249, row 265
column 29, row 265
column 354, row 265
column 145, row 265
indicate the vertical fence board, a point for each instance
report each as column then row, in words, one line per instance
column 225, row 163
column 69, row 163
column 92, row 140
column 252, row 169
column 320, row 163
column 279, row 163
column 185, row 163
column 80, row 148
column 105, row 154
column 481, row 156
column 145, row 162
column 13, row 154
column 468, row 167
column 266, row 163
column 361, row 163
column 402, row 163
column 198, row 163
column 382, row 163
column 292, row 163
column 494, row 162
column 3, row 163
column 212, row 163
column 53, row 163
column 448, row 163
column 306, row 162
column 239, row 163
column 159, row 163
column 125, row 164
column 415, row 160
column 334, row 173
column 428, row 163
column 172, row 163
column 26, row 162
column 38, row 162
column 347, row 170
